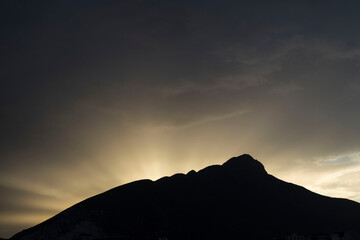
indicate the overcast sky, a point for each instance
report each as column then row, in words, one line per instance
column 94, row 94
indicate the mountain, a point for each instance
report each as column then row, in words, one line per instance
column 236, row 200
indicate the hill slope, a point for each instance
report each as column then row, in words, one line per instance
column 236, row 200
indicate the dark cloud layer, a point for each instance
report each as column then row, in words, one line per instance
column 120, row 90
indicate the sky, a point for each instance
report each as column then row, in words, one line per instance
column 95, row 94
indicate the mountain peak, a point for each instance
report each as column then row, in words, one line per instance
column 246, row 163
column 203, row 205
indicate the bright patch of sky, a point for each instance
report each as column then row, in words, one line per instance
column 353, row 158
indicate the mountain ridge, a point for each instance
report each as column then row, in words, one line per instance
column 237, row 198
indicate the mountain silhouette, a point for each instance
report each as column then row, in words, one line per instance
column 236, row 200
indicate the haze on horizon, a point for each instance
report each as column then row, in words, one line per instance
column 98, row 94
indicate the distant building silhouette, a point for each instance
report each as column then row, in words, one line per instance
column 318, row 236
column 295, row 236
column 329, row 236
column 292, row 236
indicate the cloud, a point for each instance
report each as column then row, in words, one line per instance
column 205, row 120
column 343, row 181
column 347, row 159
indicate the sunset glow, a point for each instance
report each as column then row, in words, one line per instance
column 98, row 94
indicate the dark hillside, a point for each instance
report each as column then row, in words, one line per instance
column 237, row 200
